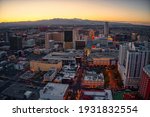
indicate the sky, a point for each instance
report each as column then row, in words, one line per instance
column 135, row 11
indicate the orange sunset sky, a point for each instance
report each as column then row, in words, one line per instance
column 134, row 11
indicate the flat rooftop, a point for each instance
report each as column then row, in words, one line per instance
column 113, row 54
column 50, row 72
column 17, row 91
column 63, row 55
column 69, row 75
column 100, row 95
column 54, row 89
column 94, row 77
column 68, row 68
column 50, row 62
column 58, row 57
column 27, row 75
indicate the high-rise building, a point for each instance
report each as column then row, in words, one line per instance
column 7, row 37
column 47, row 38
column 144, row 89
column 68, row 36
column 68, row 39
column 76, row 37
column 132, row 58
column 106, row 29
column 135, row 61
column 15, row 42
column 56, row 36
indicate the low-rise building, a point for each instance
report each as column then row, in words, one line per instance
column 27, row 75
column 65, row 57
column 66, row 75
column 54, row 91
column 45, row 65
column 50, row 75
column 96, row 95
column 93, row 80
column 98, row 58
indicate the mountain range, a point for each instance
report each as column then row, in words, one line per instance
column 58, row 21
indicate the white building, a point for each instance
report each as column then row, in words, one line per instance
column 99, row 95
column 135, row 62
column 122, row 54
column 50, row 75
column 132, row 59
column 54, row 91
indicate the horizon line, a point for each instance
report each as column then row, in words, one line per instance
column 130, row 22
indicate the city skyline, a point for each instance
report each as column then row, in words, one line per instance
column 74, row 62
column 131, row 11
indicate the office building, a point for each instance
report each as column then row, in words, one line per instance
column 56, row 36
column 68, row 39
column 133, row 57
column 134, row 64
column 7, row 36
column 122, row 54
column 106, row 29
column 144, row 89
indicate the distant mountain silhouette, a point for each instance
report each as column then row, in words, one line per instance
column 58, row 21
